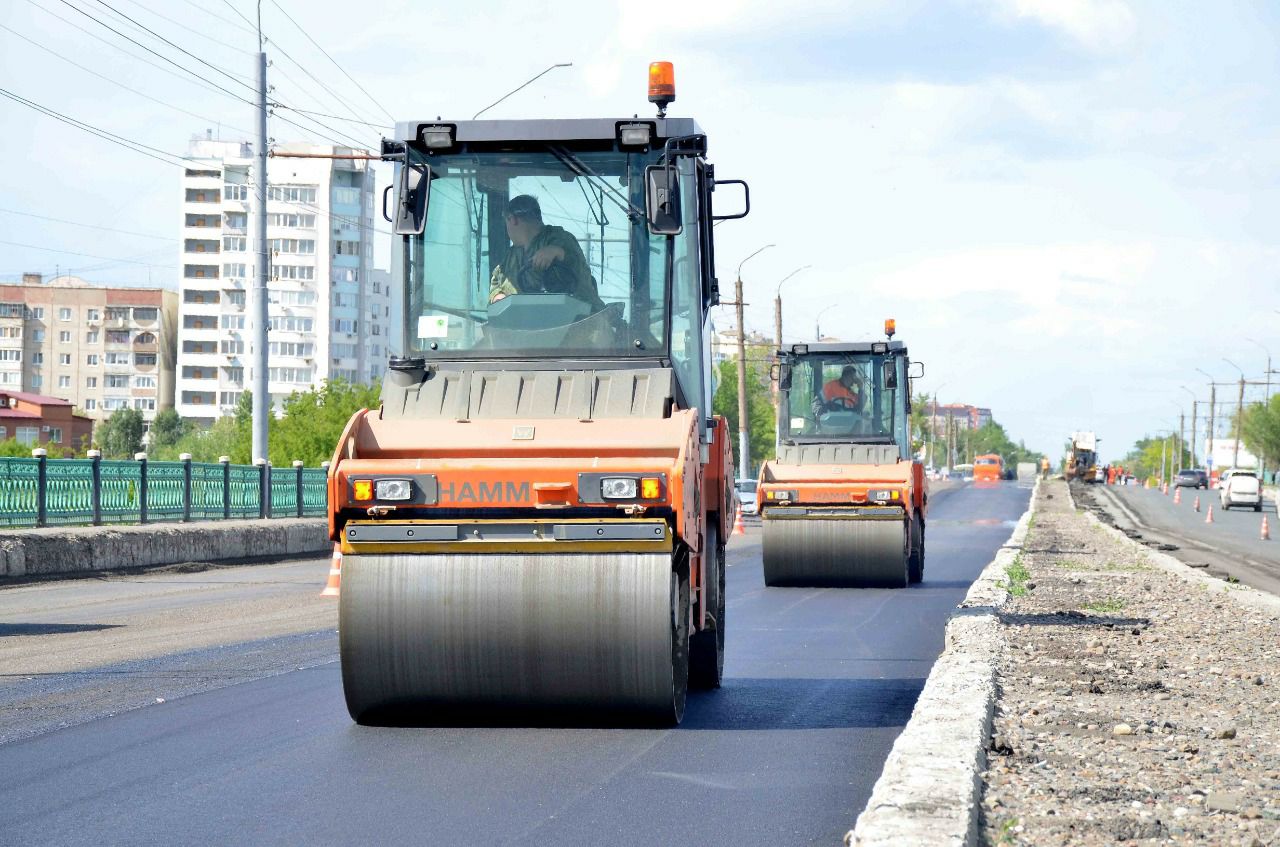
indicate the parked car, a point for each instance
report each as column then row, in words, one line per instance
column 1240, row 488
column 1191, row 478
column 746, row 489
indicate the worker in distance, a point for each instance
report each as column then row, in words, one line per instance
column 543, row 259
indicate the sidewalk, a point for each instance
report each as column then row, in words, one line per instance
column 1139, row 701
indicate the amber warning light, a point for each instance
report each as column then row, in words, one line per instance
column 662, row 85
column 890, row 327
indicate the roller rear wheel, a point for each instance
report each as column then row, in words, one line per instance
column 706, row 647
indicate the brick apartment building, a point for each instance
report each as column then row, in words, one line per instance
column 34, row 419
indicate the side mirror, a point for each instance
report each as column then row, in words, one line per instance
column 784, row 377
column 890, row 374
column 412, row 193
column 662, row 200
column 915, row 370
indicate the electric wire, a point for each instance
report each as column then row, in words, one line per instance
column 122, row 85
column 331, row 59
column 236, row 79
column 198, row 82
column 87, row 255
column 192, row 30
column 224, row 90
column 336, row 97
column 119, row 140
column 87, row 226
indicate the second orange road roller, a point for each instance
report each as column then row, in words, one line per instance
column 844, row 503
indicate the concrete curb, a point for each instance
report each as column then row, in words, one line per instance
column 42, row 552
column 930, row 789
column 1242, row 594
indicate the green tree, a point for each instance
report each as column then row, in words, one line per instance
column 761, row 425
column 167, row 429
column 313, row 421
column 120, row 436
column 1151, row 452
column 1261, row 431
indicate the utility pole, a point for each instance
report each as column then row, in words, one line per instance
column 1235, row 456
column 1182, row 423
column 744, row 445
column 258, row 307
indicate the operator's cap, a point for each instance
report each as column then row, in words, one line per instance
column 524, row 206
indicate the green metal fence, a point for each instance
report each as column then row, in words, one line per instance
column 95, row 491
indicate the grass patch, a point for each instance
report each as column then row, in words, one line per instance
column 1008, row 831
column 1111, row 604
column 1018, row 575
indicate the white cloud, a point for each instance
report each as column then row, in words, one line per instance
column 1097, row 24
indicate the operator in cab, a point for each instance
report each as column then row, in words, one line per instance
column 845, row 391
column 543, row 259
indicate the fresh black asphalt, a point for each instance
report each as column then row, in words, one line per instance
column 819, row 682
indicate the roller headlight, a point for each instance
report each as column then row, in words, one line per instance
column 778, row 496
column 393, row 489
column 884, row 495
column 618, row 488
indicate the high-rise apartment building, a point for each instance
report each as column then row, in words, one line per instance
column 99, row 348
column 327, row 319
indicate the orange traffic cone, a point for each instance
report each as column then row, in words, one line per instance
column 1196, row 507
column 1209, row 517
column 1164, row 489
column 1266, row 529
column 335, row 574
column 1177, row 495
column 739, row 528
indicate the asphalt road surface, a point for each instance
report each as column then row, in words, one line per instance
column 818, row 684
column 1231, row 546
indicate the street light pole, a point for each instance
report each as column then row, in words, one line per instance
column 1211, row 435
column 744, row 446
column 1235, row 456
column 817, row 322
column 1194, row 402
column 1262, row 460
column 777, row 330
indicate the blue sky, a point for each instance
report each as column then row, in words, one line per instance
column 1047, row 194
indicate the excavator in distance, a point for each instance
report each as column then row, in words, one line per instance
column 844, row 503
column 534, row 520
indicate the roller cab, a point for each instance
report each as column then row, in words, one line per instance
column 844, row 502
column 532, row 523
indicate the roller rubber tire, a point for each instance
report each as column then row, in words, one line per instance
column 836, row 553
column 915, row 563
column 427, row 639
column 706, row 647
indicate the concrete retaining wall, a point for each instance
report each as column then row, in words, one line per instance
column 928, row 792
column 38, row 552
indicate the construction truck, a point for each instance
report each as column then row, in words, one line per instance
column 1082, row 460
column 534, row 520
column 844, row 502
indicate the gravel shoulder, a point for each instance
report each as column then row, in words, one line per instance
column 1138, row 700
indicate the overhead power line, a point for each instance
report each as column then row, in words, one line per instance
column 142, row 94
column 87, row 226
column 192, row 30
column 120, row 140
column 87, row 255
column 372, row 99
column 233, row 77
column 337, row 98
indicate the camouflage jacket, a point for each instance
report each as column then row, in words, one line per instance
column 570, row 275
